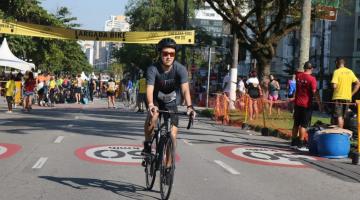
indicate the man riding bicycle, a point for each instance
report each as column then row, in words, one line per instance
column 163, row 79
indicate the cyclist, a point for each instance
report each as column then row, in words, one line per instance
column 163, row 79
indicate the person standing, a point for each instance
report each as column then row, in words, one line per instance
column 52, row 87
column 291, row 88
column 241, row 86
column 141, row 98
column 255, row 92
column 92, row 88
column 29, row 86
column 305, row 91
column 274, row 88
column 110, row 91
column 10, row 92
column 130, row 89
column 342, row 81
column 78, row 87
column 226, row 84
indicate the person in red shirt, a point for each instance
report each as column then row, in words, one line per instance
column 305, row 91
column 29, row 86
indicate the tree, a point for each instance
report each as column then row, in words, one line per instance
column 145, row 15
column 48, row 54
column 259, row 25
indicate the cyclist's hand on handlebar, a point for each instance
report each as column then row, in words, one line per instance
column 191, row 111
column 153, row 109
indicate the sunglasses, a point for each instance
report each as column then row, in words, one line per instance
column 165, row 54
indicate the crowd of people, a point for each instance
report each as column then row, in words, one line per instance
column 301, row 91
column 45, row 89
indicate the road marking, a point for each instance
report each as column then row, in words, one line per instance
column 77, row 117
column 227, row 167
column 40, row 163
column 70, row 125
column 187, row 142
column 59, row 139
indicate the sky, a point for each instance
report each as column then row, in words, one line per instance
column 91, row 14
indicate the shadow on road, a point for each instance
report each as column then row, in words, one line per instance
column 342, row 170
column 120, row 188
column 101, row 123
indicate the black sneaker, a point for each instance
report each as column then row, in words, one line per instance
column 302, row 146
column 147, row 148
column 294, row 143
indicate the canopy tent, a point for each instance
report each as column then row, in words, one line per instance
column 8, row 59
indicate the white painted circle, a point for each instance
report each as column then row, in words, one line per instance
column 113, row 154
column 267, row 156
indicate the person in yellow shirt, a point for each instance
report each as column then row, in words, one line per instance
column 10, row 92
column 141, row 97
column 52, row 87
column 342, row 81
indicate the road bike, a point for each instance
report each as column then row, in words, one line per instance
column 162, row 156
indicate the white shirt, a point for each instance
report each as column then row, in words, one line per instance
column 241, row 86
column 253, row 80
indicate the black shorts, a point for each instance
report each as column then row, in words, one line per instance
column 170, row 107
column 9, row 99
column 110, row 93
column 302, row 116
column 77, row 90
column 141, row 97
column 339, row 108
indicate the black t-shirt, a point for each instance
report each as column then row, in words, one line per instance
column 166, row 82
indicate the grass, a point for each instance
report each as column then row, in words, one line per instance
column 282, row 121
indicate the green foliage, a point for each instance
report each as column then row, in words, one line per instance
column 260, row 25
column 49, row 55
column 132, row 55
column 153, row 15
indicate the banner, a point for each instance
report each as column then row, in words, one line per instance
column 151, row 37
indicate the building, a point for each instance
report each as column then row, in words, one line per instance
column 345, row 37
column 88, row 48
column 102, row 50
column 209, row 20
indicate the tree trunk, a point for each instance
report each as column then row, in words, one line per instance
column 264, row 66
column 305, row 34
column 233, row 73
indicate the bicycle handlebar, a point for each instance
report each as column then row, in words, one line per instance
column 191, row 120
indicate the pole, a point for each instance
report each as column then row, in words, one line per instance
column 208, row 80
column 358, row 106
column 183, row 49
column 355, row 156
column 305, row 34
column 322, row 56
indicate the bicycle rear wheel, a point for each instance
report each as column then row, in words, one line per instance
column 150, row 167
column 167, row 169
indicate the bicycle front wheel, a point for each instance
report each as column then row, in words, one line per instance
column 150, row 168
column 167, row 169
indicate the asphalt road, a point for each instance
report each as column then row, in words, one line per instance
column 77, row 152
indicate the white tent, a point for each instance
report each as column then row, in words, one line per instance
column 8, row 59
column 83, row 76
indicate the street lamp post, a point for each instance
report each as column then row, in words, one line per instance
column 208, row 79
